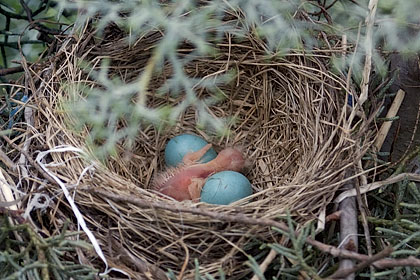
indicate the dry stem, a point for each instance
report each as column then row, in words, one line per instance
column 343, row 273
column 263, row 266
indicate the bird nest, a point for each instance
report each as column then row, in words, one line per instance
column 291, row 119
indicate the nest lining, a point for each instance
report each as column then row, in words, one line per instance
column 290, row 119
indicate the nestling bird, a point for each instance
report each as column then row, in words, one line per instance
column 186, row 181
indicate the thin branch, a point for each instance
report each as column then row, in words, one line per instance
column 8, row 33
column 370, row 20
column 330, row 5
column 267, row 261
column 343, row 273
column 11, row 70
column 31, row 161
column 373, row 186
column 27, row 10
column 392, row 112
column 363, row 208
column 348, row 216
column 17, row 16
column 14, row 214
column 6, row 160
column 6, row 39
column 7, row 204
column 36, row 25
column 348, row 228
column 322, row 11
column 41, row 8
column 333, row 216
column 142, row 265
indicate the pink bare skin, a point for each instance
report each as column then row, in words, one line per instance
column 186, row 181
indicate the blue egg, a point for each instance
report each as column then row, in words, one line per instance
column 182, row 144
column 225, row 187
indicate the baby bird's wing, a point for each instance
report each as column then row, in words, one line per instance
column 160, row 179
column 194, row 157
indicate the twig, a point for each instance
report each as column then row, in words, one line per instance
column 322, row 11
column 330, row 5
column 390, row 263
column 333, row 216
column 17, row 16
column 383, row 131
column 348, row 212
column 22, row 162
column 14, row 214
column 243, row 219
column 31, row 161
column 9, row 204
column 40, row 249
column 11, row 70
column 343, row 273
column 8, row 33
column 370, row 20
column 27, row 10
column 6, row 194
column 15, row 45
column 6, row 160
column 6, row 39
column 36, row 25
column 355, row 111
column 142, row 265
column 348, row 228
column 373, row 186
column 263, row 266
column 187, row 258
column 362, row 204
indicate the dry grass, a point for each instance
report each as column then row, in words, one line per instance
column 290, row 118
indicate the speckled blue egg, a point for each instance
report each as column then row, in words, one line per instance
column 225, row 187
column 182, row 144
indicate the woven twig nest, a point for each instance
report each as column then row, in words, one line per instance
column 291, row 121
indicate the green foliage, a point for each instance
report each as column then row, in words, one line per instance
column 398, row 227
column 18, row 41
column 201, row 24
column 396, row 218
column 283, row 26
column 15, row 27
column 26, row 255
column 397, row 222
column 197, row 275
column 294, row 257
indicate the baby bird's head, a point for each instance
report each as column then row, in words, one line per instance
column 231, row 159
